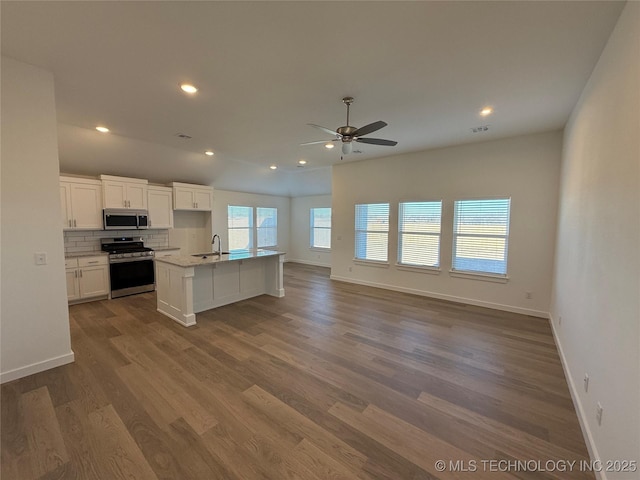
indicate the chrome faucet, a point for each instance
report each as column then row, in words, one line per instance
column 213, row 240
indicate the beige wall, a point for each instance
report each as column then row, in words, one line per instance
column 597, row 271
column 35, row 322
column 301, row 231
column 524, row 168
column 223, row 198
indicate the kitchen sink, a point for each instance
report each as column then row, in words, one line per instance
column 209, row 254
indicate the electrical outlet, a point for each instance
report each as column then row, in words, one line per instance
column 528, row 295
column 559, row 319
column 586, row 382
column 599, row 411
column 40, row 258
column 351, row 269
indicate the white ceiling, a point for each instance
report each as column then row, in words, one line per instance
column 266, row 69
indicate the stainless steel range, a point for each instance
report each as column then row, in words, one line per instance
column 130, row 266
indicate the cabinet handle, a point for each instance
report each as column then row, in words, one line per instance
column 74, row 223
column 80, row 273
column 70, row 225
column 96, row 261
column 76, row 273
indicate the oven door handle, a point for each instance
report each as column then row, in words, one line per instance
column 131, row 259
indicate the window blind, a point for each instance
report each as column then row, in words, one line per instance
column 320, row 234
column 372, row 231
column 481, row 235
column 267, row 226
column 240, row 227
column 419, row 233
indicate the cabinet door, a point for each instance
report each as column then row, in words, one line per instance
column 94, row 281
column 65, row 205
column 183, row 199
column 73, row 286
column 136, row 195
column 160, row 208
column 86, row 206
column 204, row 200
column 114, row 194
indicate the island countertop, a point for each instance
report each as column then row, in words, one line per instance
column 212, row 258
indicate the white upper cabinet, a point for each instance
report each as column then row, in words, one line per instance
column 160, row 201
column 187, row 196
column 81, row 202
column 123, row 192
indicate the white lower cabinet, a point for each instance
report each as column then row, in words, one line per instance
column 87, row 277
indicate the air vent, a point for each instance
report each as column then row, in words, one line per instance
column 184, row 136
column 480, row 129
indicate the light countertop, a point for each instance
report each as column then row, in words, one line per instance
column 96, row 253
column 212, row 258
column 164, row 249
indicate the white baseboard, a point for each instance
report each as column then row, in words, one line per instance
column 451, row 298
column 582, row 418
column 308, row 262
column 36, row 367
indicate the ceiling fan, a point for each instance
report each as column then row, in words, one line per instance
column 349, row 134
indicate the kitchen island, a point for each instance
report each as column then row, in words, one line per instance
column 189, row 284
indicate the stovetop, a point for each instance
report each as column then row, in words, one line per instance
column 125, row 247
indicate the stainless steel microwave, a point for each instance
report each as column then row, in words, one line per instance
column 125, row 219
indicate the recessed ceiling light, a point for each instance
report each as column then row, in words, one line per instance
column 329, row 145
column 302, row 162
column 188, row 88
column 102, row 129
column 486, row 111
column 209, row 152
column 273, row 167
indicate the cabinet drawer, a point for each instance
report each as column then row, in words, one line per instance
column 92, row 261
column 70, row 262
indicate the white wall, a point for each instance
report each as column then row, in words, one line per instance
column 597, row 270
column 223, row 198
column 191, row 231
column 35, row 321
column 524, row 168
column 300, row 231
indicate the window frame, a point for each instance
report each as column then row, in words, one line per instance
column 481, row 274
column 413, row 266
column 249, row 228
column 313, row 228
column 274, row 228
column 252, row 228
column 357, row 231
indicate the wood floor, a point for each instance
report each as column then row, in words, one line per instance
column 333, row 381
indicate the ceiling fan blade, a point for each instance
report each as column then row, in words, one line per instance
column 367, row 129
column 377, row 141
column 324, row 129
column 319, row 141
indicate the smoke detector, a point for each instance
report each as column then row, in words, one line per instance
column 184, row 136
column 480, row 129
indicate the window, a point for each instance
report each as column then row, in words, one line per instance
column 481, row 236
column 267, row 227
column 419, row 233
column 240, row 223
column 372, row 231
column 320, row 227
column 243, row 235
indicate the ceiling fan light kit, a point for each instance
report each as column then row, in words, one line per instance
column 348, row 134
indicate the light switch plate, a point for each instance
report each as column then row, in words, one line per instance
column 40, row 258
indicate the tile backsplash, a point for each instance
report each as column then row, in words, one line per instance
column 77, row 241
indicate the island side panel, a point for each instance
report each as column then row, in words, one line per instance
column 274, row 280
column 175, row 293
column 252, row 277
